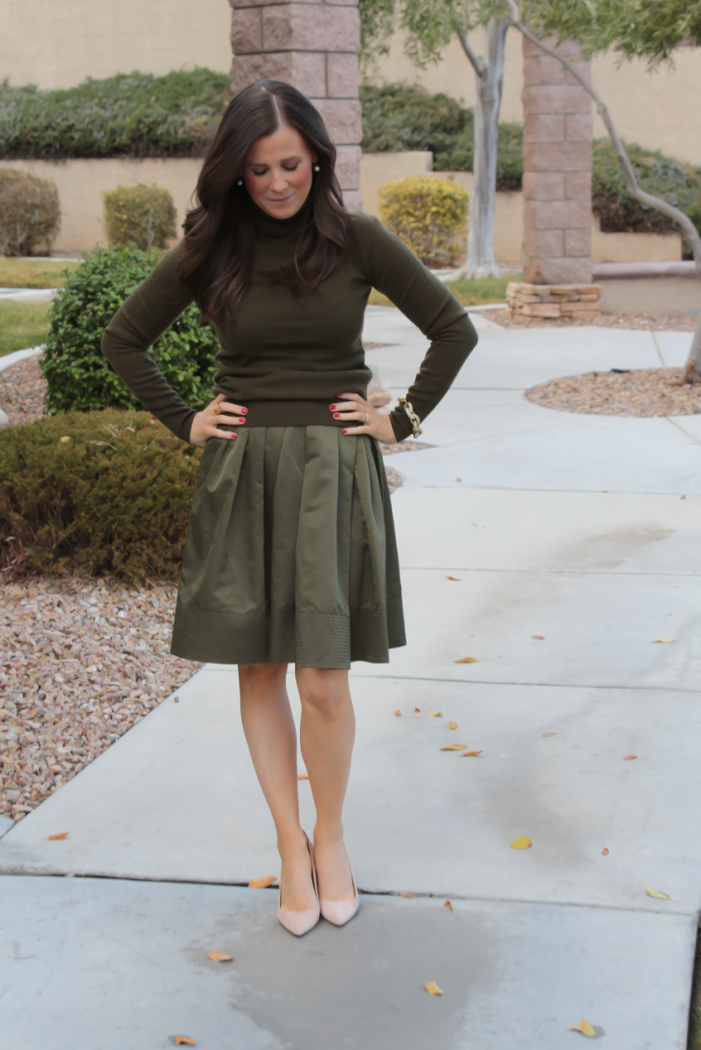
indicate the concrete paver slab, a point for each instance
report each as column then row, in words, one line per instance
column 418, row 819
column 673, row 347
column 462, row 528
column 107, row 964
column 5, row 825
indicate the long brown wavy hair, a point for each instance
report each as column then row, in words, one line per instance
column 217, row 253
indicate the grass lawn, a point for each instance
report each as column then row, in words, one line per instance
column 22, row 325
column 469, row 293
column 33, row 273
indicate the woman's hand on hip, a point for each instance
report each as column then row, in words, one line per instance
column 352, row 407
column 206, row 423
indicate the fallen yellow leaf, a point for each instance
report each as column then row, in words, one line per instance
column 452, row 725
column 456, row 578
column 454, row 747
column 435, row 714
column 184, row 1040
column 522, row 842
column 604, row 852
column 540, row 637
column 218, row 957
column 656, row 893
column 554, row 733
column 627, row 758
column 412, row 895
column 665, row 641
column 467, row 660
column 302, row 776
column 63, row 835
column 585, row 1028
column 65, row 440
column 433, row 989
column 449, row 904
column 262, row 884
column 471, row 754
column 398, row 713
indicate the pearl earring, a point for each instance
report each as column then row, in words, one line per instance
column 239, row 182
column 316, row 167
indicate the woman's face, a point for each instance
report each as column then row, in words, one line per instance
column 278, row 172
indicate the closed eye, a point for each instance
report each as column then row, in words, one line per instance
column 285, row 167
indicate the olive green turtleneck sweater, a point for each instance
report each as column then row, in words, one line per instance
column 286, row 360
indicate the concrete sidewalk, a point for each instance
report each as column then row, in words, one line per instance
column 579, row 529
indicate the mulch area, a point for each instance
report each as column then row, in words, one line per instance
column 639, row 392
column 680, row 323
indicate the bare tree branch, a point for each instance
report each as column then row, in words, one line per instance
column 692, row 370
column 477, row 63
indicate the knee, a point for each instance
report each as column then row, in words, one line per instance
column 255, row 677
column 322, row 690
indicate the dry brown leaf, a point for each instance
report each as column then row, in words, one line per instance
column 456, row 578
column 665, row 641
column 471, row 754
column 432, row 988
column 522, row 842
column 63, row 835
column 218, row 957
column 627, row 758
column 454, row 747
column 435, row 714
column 550, row 734
column 540, row 637
column 449, row 904
column 398, row 713
column 452, row 725
column 417, row 708
column 585, row 1028
column 467, row 660
column 656, row 893
column 412, row 895
column 262, row 884
column 184, row 1040
column 302, row 776
column 176, row 699
column 605, row 852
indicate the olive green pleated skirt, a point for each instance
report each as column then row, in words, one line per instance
column 290, row 554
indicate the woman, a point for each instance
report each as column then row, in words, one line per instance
column 290, row 554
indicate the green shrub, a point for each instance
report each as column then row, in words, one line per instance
column 141, row 216
column 106, row 491
column 29, row 212
column 128, row 115
column 79, row 377
column 428, row 214
column 401, row 117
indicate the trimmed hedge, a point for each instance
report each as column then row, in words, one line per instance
column 403, row 117
column 141, row 216
column 128, row 115
column 429, row 215
column 30, row 215
column 79, row 377
column 105, row 491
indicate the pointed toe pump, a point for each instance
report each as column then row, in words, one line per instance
column 341, row 912
column 301, row 922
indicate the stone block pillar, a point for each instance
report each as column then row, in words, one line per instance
column 557, row 165
column 314, row 46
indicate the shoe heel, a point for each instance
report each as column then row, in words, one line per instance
column 301, row 922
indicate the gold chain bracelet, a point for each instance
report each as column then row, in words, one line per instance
column 413, row 418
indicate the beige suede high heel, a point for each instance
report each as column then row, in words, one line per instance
column 301, row 922
column 341, row 912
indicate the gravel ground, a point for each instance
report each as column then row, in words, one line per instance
column 81, row 661
column 681, row 323
column 22, row 388
column 639, row 392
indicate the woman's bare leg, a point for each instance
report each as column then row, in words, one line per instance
column 272, row 740
column 327, row 732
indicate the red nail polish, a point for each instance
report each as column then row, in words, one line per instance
column 332, row 407
column 242, row 420
column 337, row 415
column 232, row 435
column 344, row 431
column 244, row 410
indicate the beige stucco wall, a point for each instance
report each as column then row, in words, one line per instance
column 658, row 109
column 58, row 43
column 81, row 184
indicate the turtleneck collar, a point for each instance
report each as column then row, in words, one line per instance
column 268, row 226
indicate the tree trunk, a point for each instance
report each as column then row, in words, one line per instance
column 692, row 367
column 489, row 77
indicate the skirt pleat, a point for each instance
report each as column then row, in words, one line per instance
column 290, row 554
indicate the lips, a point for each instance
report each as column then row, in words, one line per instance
column 281, row 200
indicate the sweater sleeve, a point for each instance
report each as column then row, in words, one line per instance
column 148, row 312
column 395, row 271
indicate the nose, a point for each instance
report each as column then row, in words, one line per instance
column 279, row 182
